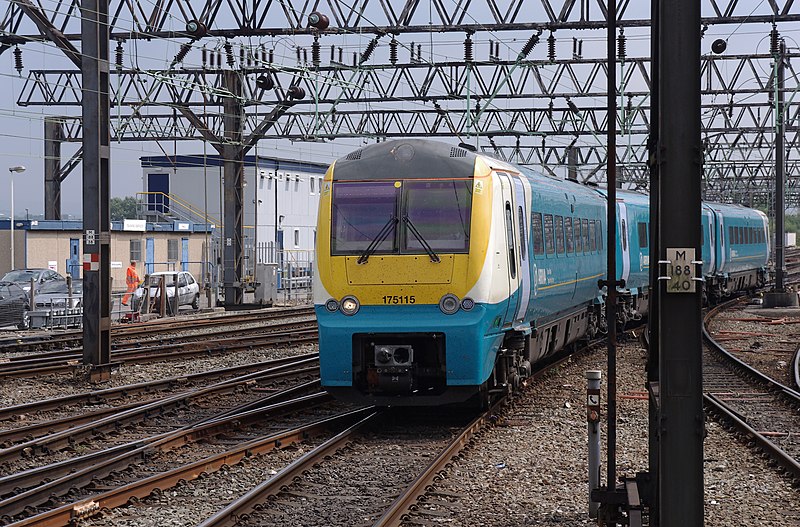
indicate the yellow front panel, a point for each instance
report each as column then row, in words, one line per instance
column 409, row 274
column 399, row 269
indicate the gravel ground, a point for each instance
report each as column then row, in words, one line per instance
column 532, row 468
column 528, row 470
column 25, row 390
column 763, row 338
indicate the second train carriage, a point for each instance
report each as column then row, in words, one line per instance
column 443, row 274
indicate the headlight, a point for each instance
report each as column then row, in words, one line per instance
column 448, row 304
column 467, row 304
column 349, row 305
column 332, row 305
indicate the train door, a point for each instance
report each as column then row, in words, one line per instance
column 622, row 221
column 522, row 196
column 723, row 241
column 511, row 239
column 707, row 240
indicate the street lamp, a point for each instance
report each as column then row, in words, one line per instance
column 18, row 169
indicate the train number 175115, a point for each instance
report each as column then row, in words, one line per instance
column 399, row 299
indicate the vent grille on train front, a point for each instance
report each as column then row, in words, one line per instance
column 457, row 152
column 352, row 156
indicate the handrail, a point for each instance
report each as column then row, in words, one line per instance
column 176, row 199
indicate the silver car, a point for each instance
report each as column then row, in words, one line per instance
column 188, row 289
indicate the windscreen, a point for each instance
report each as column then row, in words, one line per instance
column 401, row 216
column 155, row 280
column 20, row 276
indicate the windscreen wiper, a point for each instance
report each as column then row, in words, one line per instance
column 418, row 236
column 373, row 246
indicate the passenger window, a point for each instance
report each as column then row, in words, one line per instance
column 560, row 234
column 512, row 258
column 578, row 236
column 568, row 232
column 548, row 234
column 585, row 235
column 742, row 239
column 522, row 243
column 538, row 242
column 730, row 235
column 642, row 228
column 182, row 280
column 624, row 235
column 599, row 235
column 593, row 234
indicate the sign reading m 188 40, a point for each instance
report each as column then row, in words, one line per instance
column 681, row 271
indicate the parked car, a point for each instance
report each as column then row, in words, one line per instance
column 188, row 289
column 56, row 293
column 13, row 305
column 22, row 277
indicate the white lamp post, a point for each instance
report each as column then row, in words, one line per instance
column 18, row 169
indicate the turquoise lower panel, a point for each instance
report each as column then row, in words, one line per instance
column 471, row 338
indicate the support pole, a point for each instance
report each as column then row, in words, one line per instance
column 593, row 423
column 53, row 136
column 681, row 419
column 96, row 217
column 233, row 171
column 611, row 254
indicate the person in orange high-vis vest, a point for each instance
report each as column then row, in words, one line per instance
column 131, row 280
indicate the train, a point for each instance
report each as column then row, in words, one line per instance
column 442, row 275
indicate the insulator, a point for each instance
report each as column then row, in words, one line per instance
column 315, row 51
column 185, row 48
column 333, row 53
column 393, row 51
column 305, row 56
column 298, row 53
column 355, row 59
column 550, row 107
column 468, row 55
column 204, row 57
column 773, row 40
column 622, row 44
column 419, row 52
column 491, row 49
column 528, row 47
column 219, row 59
column 412, row 51
column 118, row 55
column 18, row 59
column 229, row 54
column 551, row 47
column 241, row 56
column 271, row 56
column 341, row 55
column 296, row 92
column 369, row 50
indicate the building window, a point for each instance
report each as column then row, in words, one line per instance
column 136, row 250
column 297, row 237
column 172, row 250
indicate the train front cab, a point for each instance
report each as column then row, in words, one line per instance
column 402, row 249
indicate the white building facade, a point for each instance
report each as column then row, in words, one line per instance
column 281, row 198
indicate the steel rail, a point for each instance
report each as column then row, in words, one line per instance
column 796, row 368
column 98, row 396
column 774, row 451
column 68, row 514
column 59, row 478
column 130, row 331
column 189, row 350
column 791, row 396
column 247, row 503
column 64, row 438
column 123, row 349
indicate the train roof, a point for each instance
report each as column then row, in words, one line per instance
column 419, row 158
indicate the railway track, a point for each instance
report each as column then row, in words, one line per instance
column 153, row 329
column 762, row 409
column 176, row 348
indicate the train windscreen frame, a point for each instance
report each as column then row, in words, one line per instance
column 440, row 210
